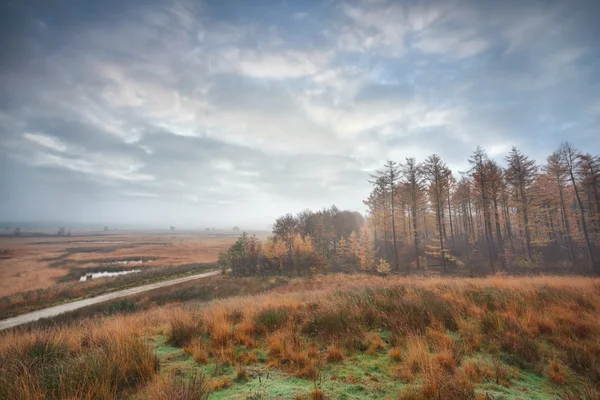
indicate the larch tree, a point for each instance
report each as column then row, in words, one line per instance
column 413, row 175
column 495, row 178
column 390, row 175
column 435, row 172
column 521, row 173
column 478, row 161
column 555, row 168
column 569, row 157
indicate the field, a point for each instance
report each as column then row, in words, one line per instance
column 333, row 336
column 39, row 271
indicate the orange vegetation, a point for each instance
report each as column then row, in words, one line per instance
column 39, row 262
column 435, row 331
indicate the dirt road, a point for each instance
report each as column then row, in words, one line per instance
column 63, row 308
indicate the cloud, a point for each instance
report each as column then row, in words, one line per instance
column 203, row 113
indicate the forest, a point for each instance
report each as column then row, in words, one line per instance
column 523, row 217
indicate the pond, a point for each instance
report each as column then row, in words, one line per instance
column 106, row 274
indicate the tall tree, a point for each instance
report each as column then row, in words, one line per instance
column 569, row 156
column 286, row 228
column 496, row 184
column 390, row 175
column 478, row 173
column 436, row 171
column 555, row 168
column 521, row 173
column 413, row 175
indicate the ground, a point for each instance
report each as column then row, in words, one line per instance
column 327, row 336
column 31, row 263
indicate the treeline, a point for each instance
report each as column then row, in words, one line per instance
column 327, row 240
column 521, row 217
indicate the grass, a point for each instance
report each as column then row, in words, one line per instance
column 32, row 263
column 342, row 337
column 21, row 303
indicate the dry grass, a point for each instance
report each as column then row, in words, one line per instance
column 176, row 387
column 395, row 354
column 197, row 351
column 434, row 330
column 90, row 362
column 39, row 263
column 334, row 354
column 555, row 373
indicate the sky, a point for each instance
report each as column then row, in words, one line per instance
column 233, row 112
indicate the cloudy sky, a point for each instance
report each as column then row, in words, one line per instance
column 229, row 112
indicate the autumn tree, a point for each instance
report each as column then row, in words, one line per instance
column 389, row 176
column 286, row 228
column 412, row 172
column 557, row 171
column 435, row 171
column 478, row 161
column 569, row 158
column 521, row 173
column 495, row 178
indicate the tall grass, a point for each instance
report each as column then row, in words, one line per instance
column 433, row 330
column 91, row 362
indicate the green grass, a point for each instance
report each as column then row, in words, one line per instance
column 359, row 376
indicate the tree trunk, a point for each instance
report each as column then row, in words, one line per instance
column 583, row 225
column 525, row 221
column 414, row 217
column 566, row 222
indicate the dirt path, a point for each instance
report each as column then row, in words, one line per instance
column 62, row 308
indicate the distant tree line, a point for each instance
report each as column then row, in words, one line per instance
column 523, row 217
column 326, row 240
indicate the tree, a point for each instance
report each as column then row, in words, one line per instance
column 286, row 228
column 496, row 184
column 478, row 174
column 569, row 157
column 366, row 249
column 389, row 176
column 435, row 172
column 413, row 175
column 521, row 173
column 555, row 168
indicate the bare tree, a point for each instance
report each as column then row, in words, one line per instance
column 436, row 171
column 569, row 157
column 557, row 171
column 390, row 177
column 413, row 174
column 478, row 173
column 521, row 173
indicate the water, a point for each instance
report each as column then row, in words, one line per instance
column 98, row 241
column 105, row 274
column 129, row 262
